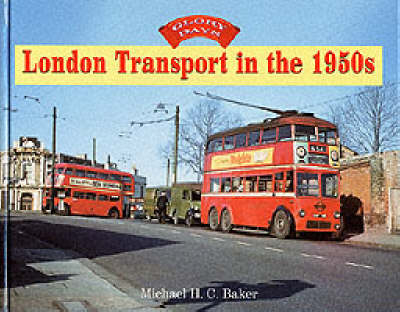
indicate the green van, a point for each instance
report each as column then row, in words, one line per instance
column 184, row 202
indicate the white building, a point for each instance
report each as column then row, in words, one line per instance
column 30, row 163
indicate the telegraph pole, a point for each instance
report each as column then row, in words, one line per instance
column 168, row 171
column 53, row 159
column 94, row 152
column 175, row 167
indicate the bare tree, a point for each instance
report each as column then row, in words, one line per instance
column 369, row 122
column 197, row 124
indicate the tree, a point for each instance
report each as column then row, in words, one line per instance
column 369, row 122
column 197, row 124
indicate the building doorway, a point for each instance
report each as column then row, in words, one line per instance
column 26, row 201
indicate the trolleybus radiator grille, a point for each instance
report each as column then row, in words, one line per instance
column 318, row 225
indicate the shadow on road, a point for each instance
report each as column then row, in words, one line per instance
column 25, row 249
column 234, row 291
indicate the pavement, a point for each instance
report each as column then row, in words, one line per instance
column 377, row 238
column 45, row 278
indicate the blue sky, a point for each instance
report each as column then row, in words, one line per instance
column 104, row 111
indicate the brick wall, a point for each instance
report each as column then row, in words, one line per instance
column 369, row 179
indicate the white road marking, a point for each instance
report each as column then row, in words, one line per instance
column 195, row 235
column 273, row 249
column 313, row 256
column 360, row 265
column 243, row 243
column 218, row 239
column 175, row 231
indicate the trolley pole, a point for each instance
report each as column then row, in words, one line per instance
column 175, row 167
column 53, row 159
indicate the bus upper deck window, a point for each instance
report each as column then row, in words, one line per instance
column 305, row 133
column 254, row 138
column 268, row 136
column 80, row 173
column 228, row 143
column 68, row 171
column 285, row 133
column 91, row 174
column 240, row 140
column 103, row 176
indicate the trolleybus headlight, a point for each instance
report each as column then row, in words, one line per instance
column 334, row 155
column 337, row 226
column 336, row 215
column 302, row 213
column 301, row 151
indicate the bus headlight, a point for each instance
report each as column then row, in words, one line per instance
column 337, row 226
column 336, row 215
column 334, row 155
column 301, row 151
column 302, row 213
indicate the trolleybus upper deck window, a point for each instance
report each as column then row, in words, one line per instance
column 228, row 143
column 285, row 133
column 268, row 136
column 254, row 138
column 327, row 136
column 305, row 133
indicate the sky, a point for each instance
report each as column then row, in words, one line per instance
column 103, row 112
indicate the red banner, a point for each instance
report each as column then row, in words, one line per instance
column 199, row 26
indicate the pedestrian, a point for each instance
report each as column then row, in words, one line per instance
column 162, row 202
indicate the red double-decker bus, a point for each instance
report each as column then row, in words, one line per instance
column 85, row 190
column 280, row 175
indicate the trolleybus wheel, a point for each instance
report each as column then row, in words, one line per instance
column 113, row 213
column 226, row 222
column 213, row 219
column 282, row 225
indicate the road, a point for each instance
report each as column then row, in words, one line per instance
column 195, row 269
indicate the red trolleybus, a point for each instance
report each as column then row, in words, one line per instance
column 281, row 175
column 85, row 190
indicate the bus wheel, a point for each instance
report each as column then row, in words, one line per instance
column 188, row 219
column 282, row 225
column 213, row 219
column 113, row 213
column 226, row 222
